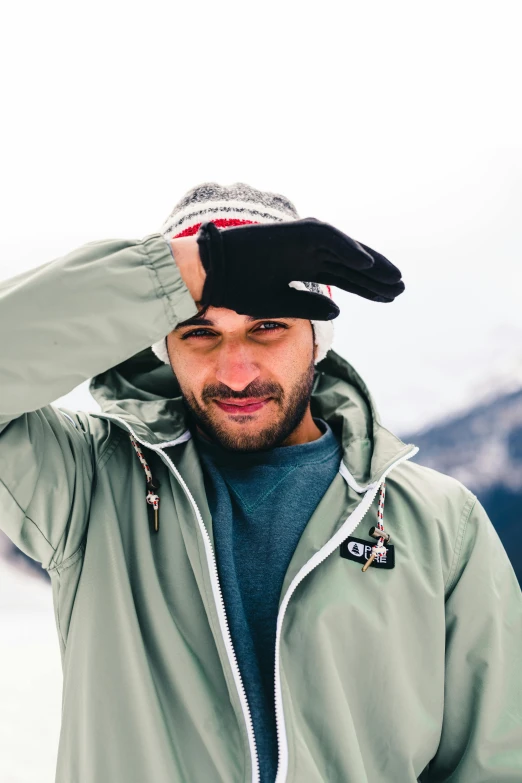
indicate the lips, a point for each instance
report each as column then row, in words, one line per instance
column 243, row 406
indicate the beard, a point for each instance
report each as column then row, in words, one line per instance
column 292, row 405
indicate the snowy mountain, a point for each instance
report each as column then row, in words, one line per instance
column 482, row 448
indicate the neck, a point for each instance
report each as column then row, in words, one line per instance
column 305, row 432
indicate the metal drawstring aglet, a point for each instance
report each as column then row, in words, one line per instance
column 153, row 500
column 378, row 532
column 376, row 550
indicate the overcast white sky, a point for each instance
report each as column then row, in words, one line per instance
column 398, row 122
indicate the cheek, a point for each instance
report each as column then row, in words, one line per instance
column 300, row 349
column 290, row 358
column 187, row 370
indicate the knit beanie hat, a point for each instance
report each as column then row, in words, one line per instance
column 238, row 205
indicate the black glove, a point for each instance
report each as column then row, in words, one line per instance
column 249, row 268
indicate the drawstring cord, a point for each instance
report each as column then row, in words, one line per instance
column 152, row 484
column 378, row 531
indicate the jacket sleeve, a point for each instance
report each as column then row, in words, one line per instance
column 60, row 324
column 481, row 739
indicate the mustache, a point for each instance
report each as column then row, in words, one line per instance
column 254, row 389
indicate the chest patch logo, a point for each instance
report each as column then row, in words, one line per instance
column 359, row 550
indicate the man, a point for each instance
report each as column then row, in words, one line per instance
column 251, row 579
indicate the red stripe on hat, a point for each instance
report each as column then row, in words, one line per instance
column 219, row 222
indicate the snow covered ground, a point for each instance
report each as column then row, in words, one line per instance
column 30, row 679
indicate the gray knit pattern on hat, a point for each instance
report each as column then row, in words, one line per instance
column 238, row 200
column 240, row 191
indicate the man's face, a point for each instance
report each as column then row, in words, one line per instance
column 247, row 382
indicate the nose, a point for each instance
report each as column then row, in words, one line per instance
column 236, row 367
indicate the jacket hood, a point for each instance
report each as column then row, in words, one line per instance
column 144, row 393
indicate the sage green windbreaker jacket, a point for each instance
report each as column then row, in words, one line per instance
column 389, row 676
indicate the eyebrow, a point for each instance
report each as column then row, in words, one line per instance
column 195, row 322
column 199, row 321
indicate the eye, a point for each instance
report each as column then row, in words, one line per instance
column 270, row 326
column 197, row 333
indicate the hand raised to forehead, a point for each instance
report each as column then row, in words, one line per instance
column 249, row 268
